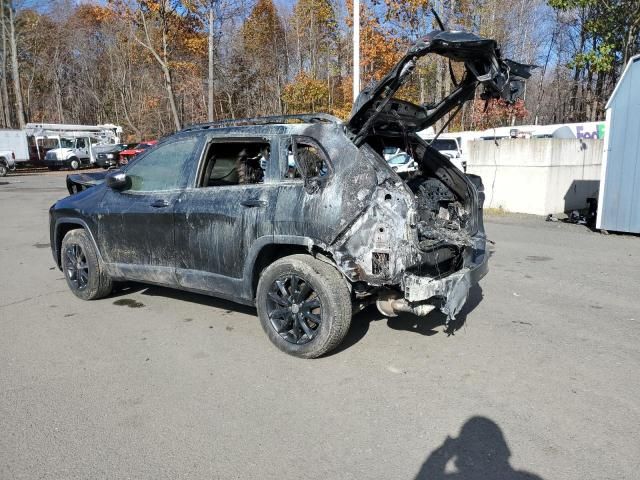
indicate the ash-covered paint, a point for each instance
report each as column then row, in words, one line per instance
column 406, row 241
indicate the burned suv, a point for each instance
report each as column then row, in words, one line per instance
column 300, row 216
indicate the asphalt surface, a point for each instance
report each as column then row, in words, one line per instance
column 152, row 383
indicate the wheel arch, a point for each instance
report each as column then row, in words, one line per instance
column 268, row 249
column 64, row 226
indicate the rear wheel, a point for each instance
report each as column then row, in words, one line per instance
column 82, row 268
column 304, row 305
column 3, row 169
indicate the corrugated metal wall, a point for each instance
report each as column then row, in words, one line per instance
column 619, row 199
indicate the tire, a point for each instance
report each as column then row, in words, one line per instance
column 74, row 163
column 82, row 269
column 3, row 170
column 329, row 302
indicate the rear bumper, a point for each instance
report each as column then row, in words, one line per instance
column 453, row 288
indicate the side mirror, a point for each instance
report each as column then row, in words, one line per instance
column 117, row 180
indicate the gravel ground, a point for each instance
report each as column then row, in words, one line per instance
column 152, row 383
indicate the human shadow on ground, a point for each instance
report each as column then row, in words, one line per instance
column 479, row 452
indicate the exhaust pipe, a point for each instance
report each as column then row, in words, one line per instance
column 391, row 305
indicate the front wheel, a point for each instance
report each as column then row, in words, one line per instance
column 82, row 268
column 74, row 164
column 3, row 170
column 304, row 305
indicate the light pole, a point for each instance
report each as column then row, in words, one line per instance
column 356, row 49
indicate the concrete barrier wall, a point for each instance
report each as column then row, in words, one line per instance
column 537, row 175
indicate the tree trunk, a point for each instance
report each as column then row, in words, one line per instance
column 15, row 71
column 211, row 39
column 172, row 98
column 6, row 108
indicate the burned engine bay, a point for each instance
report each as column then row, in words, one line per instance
column 443, row 204
column 442, row 218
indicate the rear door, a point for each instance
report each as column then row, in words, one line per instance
column 221, row 216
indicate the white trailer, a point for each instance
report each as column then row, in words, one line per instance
column 619, row 196
column 16, row 141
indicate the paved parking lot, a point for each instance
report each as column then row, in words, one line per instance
column 151, row 383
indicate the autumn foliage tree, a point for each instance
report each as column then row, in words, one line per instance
column 153, row 66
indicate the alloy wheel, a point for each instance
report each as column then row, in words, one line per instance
column 76, row 267
column 294, row 309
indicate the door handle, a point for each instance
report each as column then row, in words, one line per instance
column 160, row 204
column 253, row 203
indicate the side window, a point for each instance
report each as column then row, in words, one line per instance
column 235, row 163
column 162, row 168
column 306, row 159
column 80, row 143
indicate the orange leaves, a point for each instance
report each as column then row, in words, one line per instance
column 497, row 113
column 305, row 94
column 196, row 44
column 262, row 28
column 93, row 15
column 379, row 50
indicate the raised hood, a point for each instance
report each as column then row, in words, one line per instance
column 375, row 111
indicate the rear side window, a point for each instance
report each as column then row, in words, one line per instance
column 162, row 168
column 307, row 159
column 235, row 163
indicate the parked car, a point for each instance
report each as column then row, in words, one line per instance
column 308, row 248
column 127, row 155
column 449, row 146
column 109, row 155
column 402, row 164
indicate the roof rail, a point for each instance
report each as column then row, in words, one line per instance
column 276, row 119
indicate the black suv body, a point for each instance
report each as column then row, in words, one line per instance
column 305, row 220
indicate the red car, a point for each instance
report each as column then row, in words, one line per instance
column 127, row 155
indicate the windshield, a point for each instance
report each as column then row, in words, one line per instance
column 399, row 159
column 67, row 143
column 444, row 144
column 390, row 150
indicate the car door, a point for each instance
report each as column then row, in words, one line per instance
column 81, row 151
column 219, row 219
column 136, row 224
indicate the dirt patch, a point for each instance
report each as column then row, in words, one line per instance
column 537, row 258
column 128, row 302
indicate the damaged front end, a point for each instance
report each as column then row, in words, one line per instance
column 428, row 245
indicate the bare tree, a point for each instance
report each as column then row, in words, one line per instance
column 15, row 71
column 164, row 11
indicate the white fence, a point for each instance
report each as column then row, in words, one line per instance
column 537, row 175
